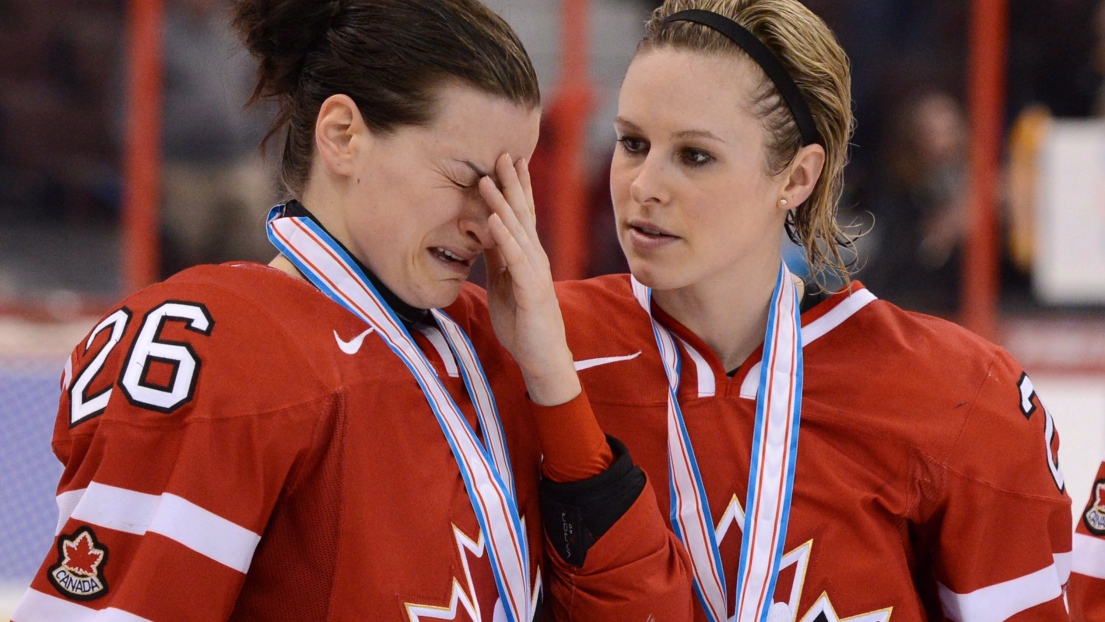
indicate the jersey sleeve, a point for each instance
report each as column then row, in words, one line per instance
column 633, row 569
column 177, row 433
column 1087, row 581
column 1000, row 528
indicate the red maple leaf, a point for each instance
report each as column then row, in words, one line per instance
column 81, row 555
column 1099, row 497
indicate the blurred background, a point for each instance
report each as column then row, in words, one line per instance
column 977, row 174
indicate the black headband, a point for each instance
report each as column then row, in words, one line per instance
column 765, row 59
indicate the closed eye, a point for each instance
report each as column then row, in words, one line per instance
column 465, row 186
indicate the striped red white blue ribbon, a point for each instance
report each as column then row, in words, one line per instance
column 486, row 471
column 771, row 470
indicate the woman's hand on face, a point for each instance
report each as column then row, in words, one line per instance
column 524, row 310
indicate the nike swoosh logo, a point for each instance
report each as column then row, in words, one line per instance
column 589, row 363
column 353, row 345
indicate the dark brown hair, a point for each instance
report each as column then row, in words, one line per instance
column 389, row 56
column 811, row 55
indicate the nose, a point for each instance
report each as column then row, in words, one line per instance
column 648, row 186
column 473, row 223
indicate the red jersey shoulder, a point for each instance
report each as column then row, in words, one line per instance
column 971, row 405
column 209, row 342
column 601, row 315
column 612, row 341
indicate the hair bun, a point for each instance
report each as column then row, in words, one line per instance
column 280, row 34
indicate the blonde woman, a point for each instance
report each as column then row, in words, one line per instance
column 875, row 464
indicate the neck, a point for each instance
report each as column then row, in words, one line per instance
column 728, row 313
column 407, row 313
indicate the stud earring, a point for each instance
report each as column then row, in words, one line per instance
column 783, row 202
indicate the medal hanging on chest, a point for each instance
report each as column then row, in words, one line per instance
column 486, row 470
column 771, row 468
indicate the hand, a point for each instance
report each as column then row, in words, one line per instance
column 525, row 313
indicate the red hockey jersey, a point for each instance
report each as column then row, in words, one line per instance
column 238, row 446
column 927, row 486
column 1087, row 581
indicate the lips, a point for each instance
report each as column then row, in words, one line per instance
column 454, row 256
column 650, row 229
column 645, row 235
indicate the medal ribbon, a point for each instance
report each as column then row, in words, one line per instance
column 771, row 469
column 486, row 472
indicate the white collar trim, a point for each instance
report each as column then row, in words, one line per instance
column 812, row 331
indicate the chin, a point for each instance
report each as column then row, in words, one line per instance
column 652, row 271
column 435, row 296
column 652, row 275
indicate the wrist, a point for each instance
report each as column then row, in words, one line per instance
column 555, row 387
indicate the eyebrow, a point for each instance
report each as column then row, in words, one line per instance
column 698, row 134
column 683, row 134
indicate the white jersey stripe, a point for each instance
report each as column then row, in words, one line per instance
column 1001, row 601
column 169, row 515
column 36, row 606
column 1062, row 566
column 67, row 502
column 1089, row 556
column 605, row 360
column 706, row 385
column 116, row 508
column 205, row 532
column 846, row 309
column 813, row 331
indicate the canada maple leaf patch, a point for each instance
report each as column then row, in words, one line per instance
column 1094, row 517
column 78, row 574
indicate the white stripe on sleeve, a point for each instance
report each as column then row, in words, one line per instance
column 36, row 606
column 1089, row 556
column 1062, row 566
column 116, row 508
column 169, row 515
column 999, row 602
column 67, row 502
column 205, row 532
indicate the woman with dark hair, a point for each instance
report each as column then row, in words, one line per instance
column 314, row 439
column 823, row 455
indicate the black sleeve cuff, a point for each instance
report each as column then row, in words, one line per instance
column 577, row 514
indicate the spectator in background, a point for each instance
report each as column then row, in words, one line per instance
column 920, row 215
column 215, row 186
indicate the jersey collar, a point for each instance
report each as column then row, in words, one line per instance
column 408, row 314
column 816, row 322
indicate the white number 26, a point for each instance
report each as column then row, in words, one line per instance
column 148, row 348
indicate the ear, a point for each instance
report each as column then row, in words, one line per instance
column 340, row 132
column 801, row 176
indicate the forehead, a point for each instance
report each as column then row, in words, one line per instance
column 472, row 124
column 681, row 87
